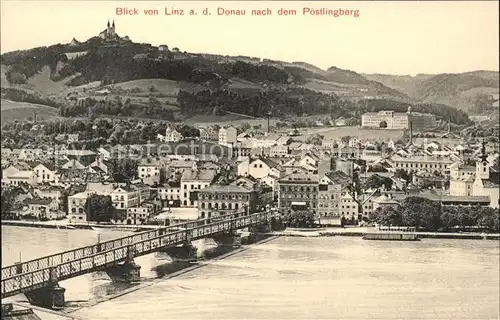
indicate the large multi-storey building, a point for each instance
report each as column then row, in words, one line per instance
column 192, row 181
column 298, row 192
column 219, row 200
column 427, row 163
column 385, row 119
column 330, row 190
column 398, row 120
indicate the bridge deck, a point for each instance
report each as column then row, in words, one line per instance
column 34, row 274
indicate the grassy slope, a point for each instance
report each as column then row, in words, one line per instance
column 12, row 110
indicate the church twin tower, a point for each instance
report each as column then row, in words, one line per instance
column 110, row 32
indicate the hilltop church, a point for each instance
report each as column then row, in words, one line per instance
column 110, row 33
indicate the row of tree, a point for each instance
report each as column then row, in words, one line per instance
column 429, row 215
column 92, row 133
column 280, row 102
column 116, row 107
column 24, row 96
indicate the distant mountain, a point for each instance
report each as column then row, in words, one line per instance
column 469, row 91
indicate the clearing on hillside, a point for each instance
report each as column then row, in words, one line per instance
column 161, row 85
column 12, row 110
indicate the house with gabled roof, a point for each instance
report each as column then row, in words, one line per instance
column 45, row 208
column 192, row 181
column 330, row 188
column 150, row 167
column 263, row 167
column 45, row 172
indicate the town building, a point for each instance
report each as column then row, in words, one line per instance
column 419, row 162
column 172, row 135
column 349, row 207
column 486, row 182
column 228, row 136
column 218, row 200
column 150, row 167
column 170, row 192
column 192, row 181
column 330, row 189
column 45, row 173
column 44, row 209
column 139, row 215
column 398, row 120
column 209, row 134
column 298, row 191
column 258, row 168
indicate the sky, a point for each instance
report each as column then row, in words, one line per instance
column 389, row 37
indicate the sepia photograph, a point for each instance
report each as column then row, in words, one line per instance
column 250, row 160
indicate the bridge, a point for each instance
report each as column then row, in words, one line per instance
column 39, row 279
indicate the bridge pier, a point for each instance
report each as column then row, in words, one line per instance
column 50, row 297
column 263, row 230
column 229, row 239
column 127, row 271
column 185, row 253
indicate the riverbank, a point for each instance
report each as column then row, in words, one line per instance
column 64, row 224
column 361, row 231
column 289, row 232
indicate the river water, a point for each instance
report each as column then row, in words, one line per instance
column 292, row 278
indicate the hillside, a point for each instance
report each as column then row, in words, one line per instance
column 465, row 91
column 130, row 79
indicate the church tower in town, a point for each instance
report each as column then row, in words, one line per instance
column 482, row 165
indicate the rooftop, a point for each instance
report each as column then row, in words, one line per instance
column 225, row 189
column 199, row 175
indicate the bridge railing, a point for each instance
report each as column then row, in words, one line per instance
column 79, row 253
column 34, row 279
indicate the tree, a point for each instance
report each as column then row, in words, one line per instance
column 383, row 124
column 8, row 198
column 489, row 219
column 402, row 174
column 163, row 176
column 345, row 139
column 124, row 170
column 99, row 208
column 300, row 219
column 189, row 131
column 245, row 126
column 421, row 213
column 377, row 168
column 376, row 181
column 315, row 139
column 387, row 216
column 64, row 204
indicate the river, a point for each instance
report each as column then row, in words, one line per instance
column 292, row 278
